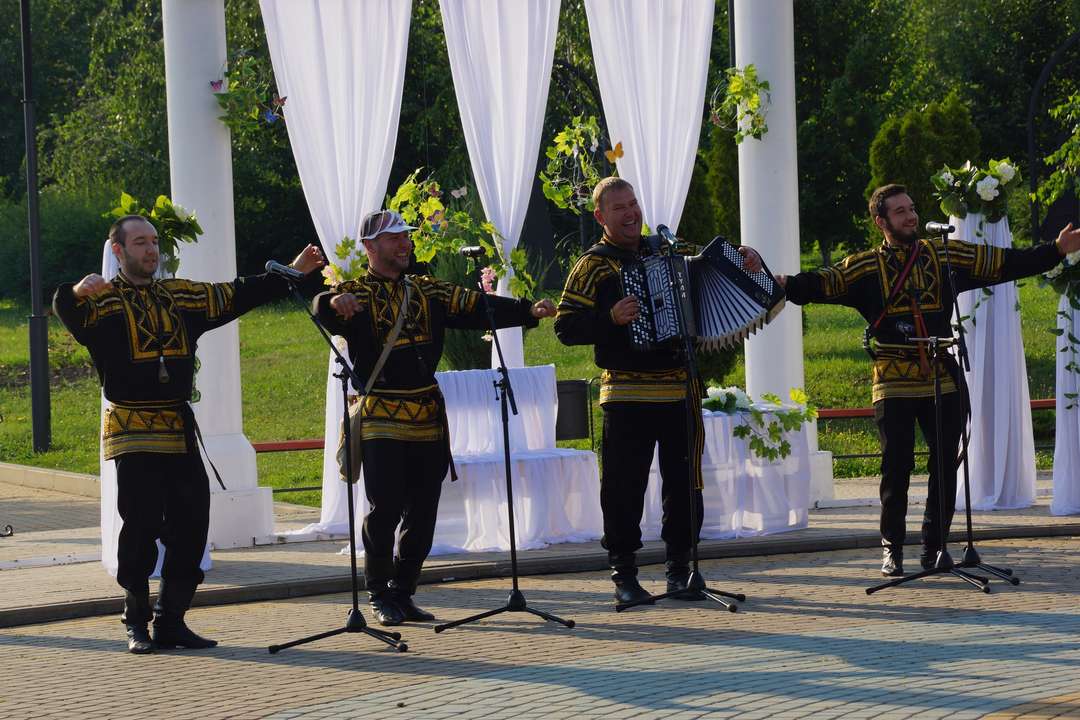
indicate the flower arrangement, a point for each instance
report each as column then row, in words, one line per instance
column 574, row 165
column 970, row 189
column 767, row 422
column 441, row 228
column 741, row 102
column 174, row 224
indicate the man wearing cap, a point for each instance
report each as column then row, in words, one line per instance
column 404, row 439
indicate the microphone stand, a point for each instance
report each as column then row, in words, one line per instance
column 695, row 583
column 971, row 557
column 515, row 602
column 355, row 622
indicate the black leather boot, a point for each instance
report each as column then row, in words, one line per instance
column 170, row 631
column 677, row 571
column 403, row 588
column 377, row 574
column 624, row 575
column 892, row 561
column 136, row 615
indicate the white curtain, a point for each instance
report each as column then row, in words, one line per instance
column 652, row 61
column 1002, row 449
column 340, row 64
column 110, row 515
column 1067, row 432
column 500, row 56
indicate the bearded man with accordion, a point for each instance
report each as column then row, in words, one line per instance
column 643, row 394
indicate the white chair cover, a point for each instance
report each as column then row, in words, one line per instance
column 500, row 57
column 652, row 61
column 1067, row 432
column 341, row 66
column 1002, row 447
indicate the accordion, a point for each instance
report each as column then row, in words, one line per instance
column 721, row 302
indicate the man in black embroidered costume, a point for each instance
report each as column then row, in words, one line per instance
column 142, row 335
column 643, row 396
column 901, row 290
column 404, row 439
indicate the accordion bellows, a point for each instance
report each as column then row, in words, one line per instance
column 721, row 302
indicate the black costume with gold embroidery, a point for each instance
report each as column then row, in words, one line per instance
column 406, row 445
column 132, row 333
column 903, row 385
column 643, row 396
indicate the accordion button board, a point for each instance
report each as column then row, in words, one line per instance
column 723, row 303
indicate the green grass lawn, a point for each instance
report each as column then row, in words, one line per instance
column 283, row 365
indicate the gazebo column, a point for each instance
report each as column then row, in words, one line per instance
column 769, row 205
column 200, row 171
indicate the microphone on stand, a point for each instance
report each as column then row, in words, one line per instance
column 290, row 274
column 472, row 251
column 669, row 237
column 936, row 228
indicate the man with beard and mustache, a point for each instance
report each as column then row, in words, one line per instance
column 643, row 396
column 901, row 291
column 142, row 334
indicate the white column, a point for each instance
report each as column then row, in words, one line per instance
column 200, row 170
column 769, row 203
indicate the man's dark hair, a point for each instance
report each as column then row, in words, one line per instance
column 879, row 196
column 117, row 233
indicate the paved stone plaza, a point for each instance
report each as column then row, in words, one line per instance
column 808, row 642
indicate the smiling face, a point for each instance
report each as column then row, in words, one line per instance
column 137, row 251
column 389, row 253
column 900, row 222
column 618, row 211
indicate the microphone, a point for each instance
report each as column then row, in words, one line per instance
column 669, row 237
column 935, row 228
column 472, row 251
column 290, row 274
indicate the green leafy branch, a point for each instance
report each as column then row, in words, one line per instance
column 442, row 227
column 173, row 224
column 573, row 166
column 765, row 429
column 244, row 94
column 741, row 103
column 1066, row 159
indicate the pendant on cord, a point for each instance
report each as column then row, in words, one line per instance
column 162, row 372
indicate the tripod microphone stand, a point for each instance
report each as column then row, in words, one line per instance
column 515, row 602
column 695, row 583
column 944, row 562
column 355, row 623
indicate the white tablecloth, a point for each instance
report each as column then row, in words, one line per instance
column 744, row 495
column 1067, row 432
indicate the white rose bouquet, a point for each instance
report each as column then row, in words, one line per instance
column 971, row 189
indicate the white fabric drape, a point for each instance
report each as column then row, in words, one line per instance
column 1002, row 447
column 652, row 61
column 500, row 57
column 110, row 515
column 1067, row 431
column 340, row 65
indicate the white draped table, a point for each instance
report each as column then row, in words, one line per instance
column 557, row 490
column 1067, row 432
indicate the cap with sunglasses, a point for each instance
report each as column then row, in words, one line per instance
column 382, row 221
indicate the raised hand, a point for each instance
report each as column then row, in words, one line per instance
column 92, row 284
column 346, row 305
column 543, row 309
column 309, row 259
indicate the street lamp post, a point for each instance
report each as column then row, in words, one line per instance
column 39, row 323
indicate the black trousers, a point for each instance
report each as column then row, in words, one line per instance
column 166, row 496
column 631, row 433
column 896, row 418
column 403, row 481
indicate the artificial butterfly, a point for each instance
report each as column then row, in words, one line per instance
column 270, row 117
column 614, row 153
column 278, row 102
column 217, row 85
